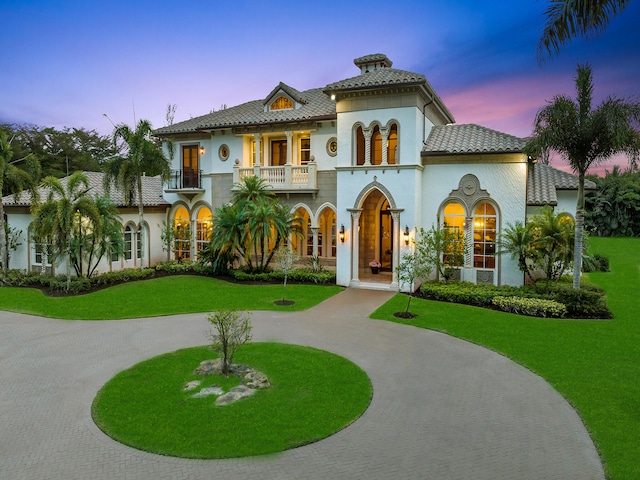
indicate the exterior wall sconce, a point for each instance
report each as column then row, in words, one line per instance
column 342, row 233
column 201, row 150
column 406, row 235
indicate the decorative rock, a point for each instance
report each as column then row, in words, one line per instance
column 209, row 367
column 234, row 395
column 257, row 379
column 205, row 392
column 192, row 385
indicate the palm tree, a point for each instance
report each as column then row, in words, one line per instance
column 14, row 179
column 65, row 209
column 584, row 137
column 567, row 19
column 517, row 241
column 553, row 238
column 141, row 157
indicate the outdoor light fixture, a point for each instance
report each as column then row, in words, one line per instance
column 342, row 233
column 406, row 235
column 201, row 150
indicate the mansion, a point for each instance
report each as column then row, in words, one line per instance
column 365, row 162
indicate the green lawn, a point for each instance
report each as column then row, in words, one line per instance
column 313, row 394
column 595, row 364
column 162, row 296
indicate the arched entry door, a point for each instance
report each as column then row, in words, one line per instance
column 386, row 238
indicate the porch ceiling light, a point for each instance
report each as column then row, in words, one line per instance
column 406, row 235
column 342, row 233
column 201, row 150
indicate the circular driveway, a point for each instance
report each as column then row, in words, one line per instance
column 442, row 408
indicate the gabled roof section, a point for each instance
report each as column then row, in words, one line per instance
column 289, row 91
column 544, row 181
column 151, row 192
column 469, row 138
column 376, row 59
column 315, row 106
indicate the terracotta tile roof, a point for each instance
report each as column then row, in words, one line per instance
column 151, row 192
column 470, row 138
column 314, row 105
column 545, row 181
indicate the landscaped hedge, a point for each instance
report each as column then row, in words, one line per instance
column 534, row 307
column 173, row 266
column 298, row 275
column 586, row 302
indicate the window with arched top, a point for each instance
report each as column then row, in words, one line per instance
column 360, row 146
column 203, row 228
column 392, row 145
column 281, row 103
column 376, row 146
column 453, row 226
column 182, row 234
column 485, row 221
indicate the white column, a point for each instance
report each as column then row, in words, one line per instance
column 355, row 245
column 384, row 132
column 367, row 145
column 399, row 244
column 289, row 135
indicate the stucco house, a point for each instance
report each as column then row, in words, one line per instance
column 29, row 255
column 364, row 162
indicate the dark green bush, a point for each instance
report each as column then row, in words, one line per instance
column 598, row 263
column 299, row 275
column 587, row 302
column 126, row 275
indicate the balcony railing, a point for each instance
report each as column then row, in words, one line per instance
column 185, row 179
column 286, row 178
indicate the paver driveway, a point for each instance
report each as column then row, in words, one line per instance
column 442, row 408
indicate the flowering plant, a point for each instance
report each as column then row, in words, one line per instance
column 375, row 264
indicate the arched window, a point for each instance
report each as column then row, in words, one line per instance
column 327, row 234
column 453, row 223
column 182, row 234
column 392, row 145
column 376, row 146
column 203, row 228
column 128, row 242
column 299, row 242
column 359, row 146
column 484, row 236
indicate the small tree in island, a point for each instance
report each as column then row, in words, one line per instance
column 230, row 329
column 417, row 264
column 285, row 260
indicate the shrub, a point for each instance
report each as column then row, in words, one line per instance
column 597, row 263
column 126, row 275
column 582, row 302
column 299, row 275
column 534, row 307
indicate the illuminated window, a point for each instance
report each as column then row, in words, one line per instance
column 281, row 103
column 392, row 145
column 484, row 236
column 359, row 146
column 203, row 228
column 376, row 146
column 190, row 166
column 182, row 234
column 453, row 233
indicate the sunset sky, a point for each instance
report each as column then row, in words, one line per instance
column 66, row 63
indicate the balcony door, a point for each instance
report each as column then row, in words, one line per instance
column 278, row 152
column 190, row 166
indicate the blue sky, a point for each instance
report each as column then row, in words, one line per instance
column 66, row 63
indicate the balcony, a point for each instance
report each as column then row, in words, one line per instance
column 283, row 179
column 186, row 181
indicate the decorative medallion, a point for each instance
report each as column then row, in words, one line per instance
column 469, row 186
column 332, row 146
column 223, row 152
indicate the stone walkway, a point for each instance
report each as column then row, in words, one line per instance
column 442, row 408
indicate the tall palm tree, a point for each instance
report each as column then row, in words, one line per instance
column 65, row 208
column 584, row 137
column 567, row 19
column 14, row 179
column 141, row 156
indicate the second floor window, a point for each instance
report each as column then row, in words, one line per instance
column 190, row 166
column 305, row 151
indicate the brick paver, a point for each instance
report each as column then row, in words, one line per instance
column 442, row 408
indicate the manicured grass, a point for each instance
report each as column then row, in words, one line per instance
column 595, row 364
column 162, row 296
column 313, row 395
